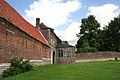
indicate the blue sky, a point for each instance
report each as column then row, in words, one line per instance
column 65, row 15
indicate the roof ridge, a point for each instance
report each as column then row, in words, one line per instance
column 11, row 15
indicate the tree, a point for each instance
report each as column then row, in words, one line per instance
column 89, row 25
column 89, row 29
column 101, row 40
column 112, row 40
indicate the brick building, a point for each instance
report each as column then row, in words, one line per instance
column 65, row 53
column 18, row 38
column 57, row 45
column 52, row 39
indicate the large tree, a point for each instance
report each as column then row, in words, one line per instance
column 112, row 36
column 89, row 29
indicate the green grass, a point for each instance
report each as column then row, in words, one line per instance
column 107, row 70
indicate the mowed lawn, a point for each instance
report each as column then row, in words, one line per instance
column 107, row 70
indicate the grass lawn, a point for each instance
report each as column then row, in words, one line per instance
column 107, row 70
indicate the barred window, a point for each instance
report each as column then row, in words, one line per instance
column 60, row 53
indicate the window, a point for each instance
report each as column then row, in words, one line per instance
column 60, row 53
column 69, row 54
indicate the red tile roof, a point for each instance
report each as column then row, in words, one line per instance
column 11, row 15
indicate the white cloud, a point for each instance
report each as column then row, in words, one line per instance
column 104, row 13
column 69, row 34
column 52, row 13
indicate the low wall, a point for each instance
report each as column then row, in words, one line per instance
column 98, row 56
column 4, row 66
column 44, row 61
column 65, row 60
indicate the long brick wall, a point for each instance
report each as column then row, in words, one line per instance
column 16, row 43
column 97, row 55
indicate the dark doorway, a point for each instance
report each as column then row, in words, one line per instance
column 53, row 57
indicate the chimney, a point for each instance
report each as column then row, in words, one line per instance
column 37, row 23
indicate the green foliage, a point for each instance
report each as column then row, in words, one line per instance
column 16, row 62
column 100, row 40
column 89, row 40
column 89, row 25
column 17, row 66
column 25, row 66
column 107, row 39
column 11, row 71
column 112, row 35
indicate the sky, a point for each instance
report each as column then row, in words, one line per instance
column 65, row 16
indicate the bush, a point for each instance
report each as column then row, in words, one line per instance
column 87, row 50
column 25, row 66
column 17, row 66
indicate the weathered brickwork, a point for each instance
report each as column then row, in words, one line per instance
column 56, row 44
column 97, row 55
column 16, row 43
column 18, row 38
column 65, row 54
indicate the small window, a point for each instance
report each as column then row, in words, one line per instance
column 69, row 54
column 60, row 54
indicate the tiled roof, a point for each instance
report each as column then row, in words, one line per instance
column 64, row 46
column 11, row 15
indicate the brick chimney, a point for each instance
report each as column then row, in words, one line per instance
column 37, row 23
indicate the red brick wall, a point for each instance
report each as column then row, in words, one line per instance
column 98, row 55
column 16, row 43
